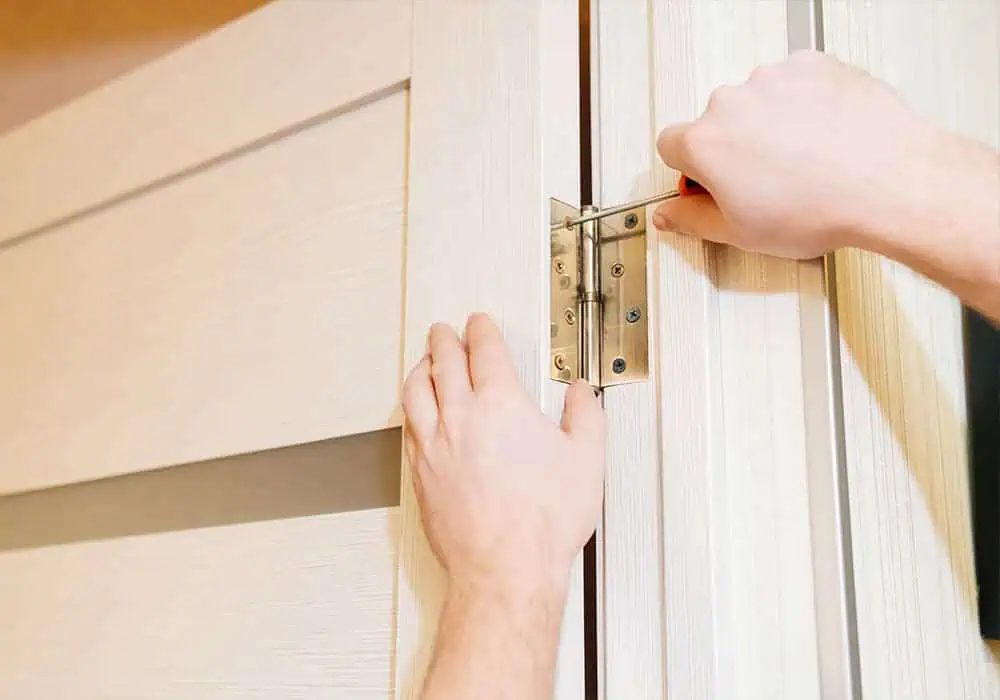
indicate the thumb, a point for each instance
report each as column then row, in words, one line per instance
column 583, row 415
column 696, row 215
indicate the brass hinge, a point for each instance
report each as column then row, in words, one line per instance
column 599, row 306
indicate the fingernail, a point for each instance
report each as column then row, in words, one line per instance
column 660, row 221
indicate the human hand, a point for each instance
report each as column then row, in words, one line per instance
column 808, row 155
column 508, row 497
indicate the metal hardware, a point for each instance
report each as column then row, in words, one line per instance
column 598, row 326
column 638, row 207
column 589, row 300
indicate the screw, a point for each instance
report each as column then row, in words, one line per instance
column 631, row 221
column 559, row 265
column 618, row 366
column 617, row 270
column 633, row 314
column 569, row 316
column 560, row 362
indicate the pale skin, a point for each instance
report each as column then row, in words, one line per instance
column 509, row 498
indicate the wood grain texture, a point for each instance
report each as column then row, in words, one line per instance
column 632, row 549
column 251, row 305
column 299, row 608
column 286, row 63
column 494, row 133
column 52, row 51
column 721, row 433
column 904, row 403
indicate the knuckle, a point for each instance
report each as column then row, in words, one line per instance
column 411, row 394
column 698, row 140
column 438, row 371
column 409, row 389
column 722, row 98
column 805, row 56
column 764, row 72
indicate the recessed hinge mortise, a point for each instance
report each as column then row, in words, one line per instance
column 599, row 307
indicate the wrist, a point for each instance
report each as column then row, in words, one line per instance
column 896, row 198
column 511, row 590
column 912, row 215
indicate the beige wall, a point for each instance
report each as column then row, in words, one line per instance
column 52, row 51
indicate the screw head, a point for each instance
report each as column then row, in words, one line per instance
column 618, row 366
column 633, row 314
column 617, row 270
column 631, row 221
column 560, row 362
column 569, row 316
column 559, row 265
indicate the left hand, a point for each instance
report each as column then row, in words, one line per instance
column 508, row 497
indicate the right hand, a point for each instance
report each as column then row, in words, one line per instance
column 803, row 158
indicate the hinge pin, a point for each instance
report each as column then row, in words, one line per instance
column 590, row 301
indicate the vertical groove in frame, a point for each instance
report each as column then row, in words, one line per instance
column 840, row 438
column 829, row 498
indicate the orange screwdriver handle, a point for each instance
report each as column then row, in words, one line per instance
column 686, row 186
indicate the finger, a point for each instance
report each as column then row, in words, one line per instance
column 416, row 465
column 449, row 366
column 410, row 443
column 696, row 216
column 583, row 415
column 489, row 361
column 674, row 150
column 420, row 402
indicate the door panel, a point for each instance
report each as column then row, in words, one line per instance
column 287, row 608
column 904, row 382
column 206, row 258
column 495, row 133
column 252, row 304
column 291, row 61
column 709, row 540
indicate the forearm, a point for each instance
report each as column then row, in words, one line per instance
column 495, row 644
column 945, row 221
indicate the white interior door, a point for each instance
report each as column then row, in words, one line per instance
column 711, row 488
column 787, row 512
column 213, row 273
column 902, row 354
